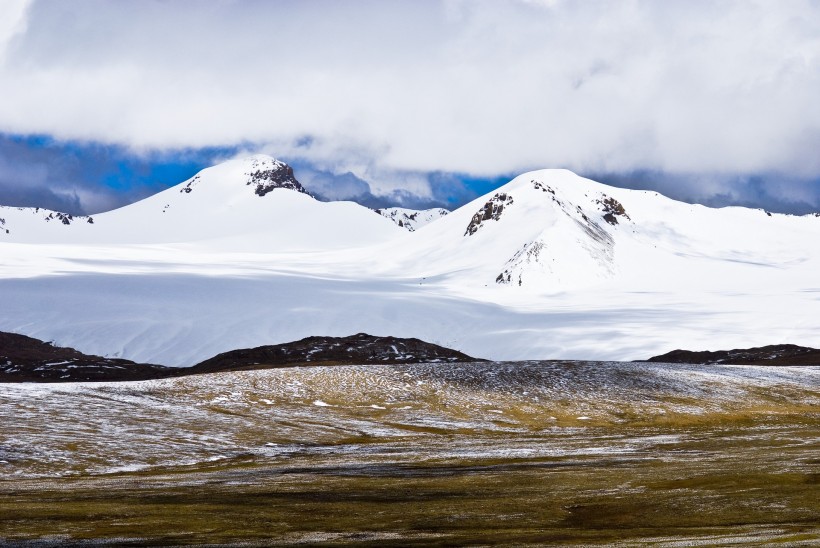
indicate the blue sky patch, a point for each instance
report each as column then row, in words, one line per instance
column 87, row 177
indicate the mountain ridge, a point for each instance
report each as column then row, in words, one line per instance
column 548, row 264
column 264, row 174
column 26, row 359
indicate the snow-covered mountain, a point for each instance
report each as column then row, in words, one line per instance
column 253, row 204
column 552, row 230
column 550, row 265
column 412, row 219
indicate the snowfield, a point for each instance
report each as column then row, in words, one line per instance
column 550, row 265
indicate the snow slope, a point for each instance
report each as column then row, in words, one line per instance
column 550, row 265
column 253, row 203
column 550, row 231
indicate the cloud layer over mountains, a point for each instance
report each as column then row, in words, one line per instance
column 388, row 89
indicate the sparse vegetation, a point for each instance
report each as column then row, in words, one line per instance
column 457, row 454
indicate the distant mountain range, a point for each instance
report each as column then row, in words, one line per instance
column 550, row 264
column 411, row 219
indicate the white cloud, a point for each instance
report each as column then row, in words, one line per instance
column 479, row 86
column 12, row 20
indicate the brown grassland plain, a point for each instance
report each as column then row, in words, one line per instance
column 531, row 453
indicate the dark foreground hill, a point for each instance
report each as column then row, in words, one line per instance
column 360, row 349
column 25, row 359
column 779, row 354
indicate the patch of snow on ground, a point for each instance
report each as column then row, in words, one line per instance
column 121, row 426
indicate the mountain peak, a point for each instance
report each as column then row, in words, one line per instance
column 266, row 173
column 261, row 172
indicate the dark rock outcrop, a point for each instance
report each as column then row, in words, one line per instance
column 189, row 186
column 361, row 349
column 267, row 177
column 612, row 209
column 780, row 354
column 490, row 211
column 24, row 359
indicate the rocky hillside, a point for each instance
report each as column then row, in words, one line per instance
column 25, row 359
column 780, row 354
column 353, row 350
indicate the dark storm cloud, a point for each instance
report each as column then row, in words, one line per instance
column 37, row 176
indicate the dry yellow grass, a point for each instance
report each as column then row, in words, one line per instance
column 509, row 454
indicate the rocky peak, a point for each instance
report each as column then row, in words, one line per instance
column 266, row 174
column 262, row 173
